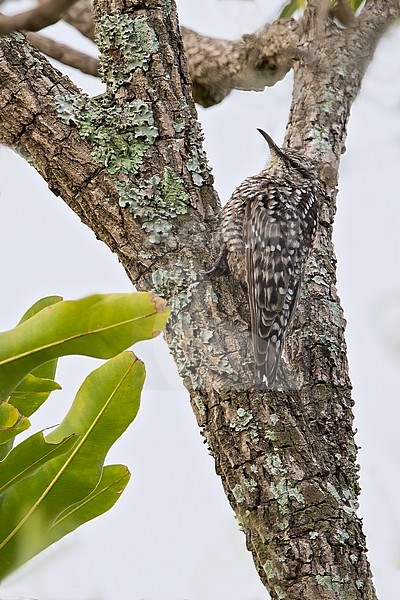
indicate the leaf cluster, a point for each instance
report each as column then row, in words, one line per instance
column 50, row 484
column 292, row 6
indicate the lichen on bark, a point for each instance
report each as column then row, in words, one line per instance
column 120, row 134
column 133, row 38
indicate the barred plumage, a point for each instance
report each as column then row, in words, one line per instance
column 267, row 230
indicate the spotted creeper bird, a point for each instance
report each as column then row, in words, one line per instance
column 267, row 231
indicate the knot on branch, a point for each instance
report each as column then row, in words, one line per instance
column 267, row 55
column 250, row 63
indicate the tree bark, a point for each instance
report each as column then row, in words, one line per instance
column 286, row 457
column 216, row 66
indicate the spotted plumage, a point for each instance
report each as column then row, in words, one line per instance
column 267, row 230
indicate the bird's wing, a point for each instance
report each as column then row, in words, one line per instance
column 273, row 284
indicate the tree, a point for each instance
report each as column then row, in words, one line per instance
column 297, row 508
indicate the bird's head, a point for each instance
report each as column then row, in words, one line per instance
column 288, row 160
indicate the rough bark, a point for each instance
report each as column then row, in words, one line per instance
column 286, row 457
column 216, row 66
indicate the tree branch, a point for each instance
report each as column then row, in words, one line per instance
column 251, row 63
column 79, row 15
column 46, row 14
column 369, row 26
column 65, row 54
column 216, row 66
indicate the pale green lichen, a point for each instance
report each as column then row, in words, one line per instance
column 253, row 434
column 280, row 594
column 125, row 43
column 206, row 335
column 166, row 9
column 347, row 495
column 320, row 139
column 241, row 420
column 275, row 465
column 269, row 570
column 238, row 494
column 271, row 573
column 224, row 366
column 176, row 284
column 282, row 490
column 351, row 450
column 120, row 134
column 38, row 67
column 347, row 501
column 350, row 510
column 333, row 491
column 354, row 558
column 333, row 583
column 200, row 405
column 274, row 418
column 341, row 536
column 197, row 163
column 155, row 202
column 178, row 126
column 251, row 484
column 320, row 281
column 331, row 101
column 194, row 166
column 174, row 197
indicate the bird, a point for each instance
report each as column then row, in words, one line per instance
column 266, row 231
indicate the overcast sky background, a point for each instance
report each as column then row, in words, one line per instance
column 172, row 535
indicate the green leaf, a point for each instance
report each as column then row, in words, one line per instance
column 114, row 480
column 25, row 404
column 28, row 456
column 100, row 326
column 11, row 422
column 47, row 370
column 103, row 408
column 30, row 394
column 290, row 8
column 38, row 306
column 5, row 449
column 355, row 4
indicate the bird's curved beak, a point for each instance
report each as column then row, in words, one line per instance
column 273, row 147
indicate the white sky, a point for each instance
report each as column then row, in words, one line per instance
column 172, row 535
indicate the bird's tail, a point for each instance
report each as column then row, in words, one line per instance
column 267, row 354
